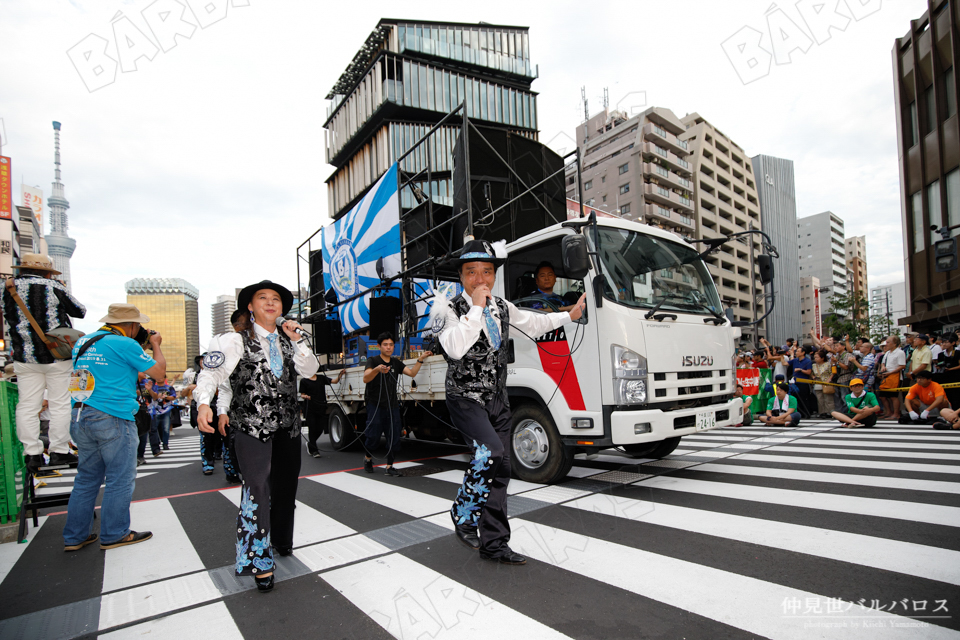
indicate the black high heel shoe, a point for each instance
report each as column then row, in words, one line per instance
column 264, row 584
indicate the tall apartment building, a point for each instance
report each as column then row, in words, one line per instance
column 30, row 236
column 679, row 174
column 220, row 312
column 889, row 301
column 407, row 75
column 725, row 202
column 928, row 142
column 820, row 241
column 778, row 219
column 855, row 250
column 171, row 305
column 810, row 315
column 636, row 168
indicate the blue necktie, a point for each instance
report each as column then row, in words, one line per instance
column 276, row 362
column 492, row 327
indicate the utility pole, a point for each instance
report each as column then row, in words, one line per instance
column 887, row 296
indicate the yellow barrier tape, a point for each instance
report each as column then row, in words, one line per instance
column 947, row 385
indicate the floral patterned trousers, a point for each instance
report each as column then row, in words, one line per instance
column 270, row 472
column 482, row 498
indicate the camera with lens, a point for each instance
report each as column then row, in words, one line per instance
column 143, row 336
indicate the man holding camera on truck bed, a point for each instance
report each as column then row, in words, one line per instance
column 473, row 331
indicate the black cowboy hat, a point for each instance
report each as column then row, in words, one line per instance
column 481, row 251
column 246, row 295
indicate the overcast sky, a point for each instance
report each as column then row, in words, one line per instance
column 206, row 162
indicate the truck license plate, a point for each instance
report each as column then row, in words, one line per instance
column 706, row 420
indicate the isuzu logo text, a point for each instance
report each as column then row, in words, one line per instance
column 697, row 361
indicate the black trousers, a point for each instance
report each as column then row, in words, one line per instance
column 316, row 424
column 268, row 496
column 482, row 498
column 212, row 444
column 383, row 420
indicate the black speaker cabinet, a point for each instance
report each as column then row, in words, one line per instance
column 384, row 315
column 328, row 336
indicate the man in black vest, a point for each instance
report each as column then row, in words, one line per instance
column 474, row 332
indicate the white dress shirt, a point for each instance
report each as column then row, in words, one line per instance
column 459, row 334
column 231, row 346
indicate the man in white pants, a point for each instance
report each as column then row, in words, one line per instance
column 51, row 305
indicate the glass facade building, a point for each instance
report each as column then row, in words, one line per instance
column 404, row 80
column 171, row 305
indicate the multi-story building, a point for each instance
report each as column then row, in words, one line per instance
column 810, row 316
column 890, row 302
column 220, row 312
column 31, row 237
column 820, row 242
column 778, row 219
column 928, row 142
column 171, row 305
column 407, row 75
column 681, row 175
column 855, row 249
column 726, row 202
column 636, row 168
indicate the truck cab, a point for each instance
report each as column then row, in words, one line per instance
column 650, row 361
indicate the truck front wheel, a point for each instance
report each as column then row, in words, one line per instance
column 655, row 450
column 538, row 454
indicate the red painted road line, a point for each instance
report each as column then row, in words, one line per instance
column 197, row 493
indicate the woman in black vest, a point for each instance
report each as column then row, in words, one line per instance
column 474, row 331
column 261, row 365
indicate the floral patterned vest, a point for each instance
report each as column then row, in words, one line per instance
column 262, row 404
column 481, row 374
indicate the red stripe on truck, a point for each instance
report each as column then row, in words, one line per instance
column 567, row 380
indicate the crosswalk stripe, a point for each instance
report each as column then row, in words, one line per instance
column 209, row 621
column 885, row 437
column 157, row 598
column 167, row 554
column 878, row 507
column 516, row 486
column 412, row 503
column 839, row 478
column 786, row 448
column 586, row 472
column 890, row 555
column 10, row 553
column 705, row 591
column 861, row 464
column 410, row 600
column 705, row 453
column 309, row 525
column 335, row 553
column 888, row 445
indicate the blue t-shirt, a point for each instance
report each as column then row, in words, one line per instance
column 105, row 377
column 552, row 297
column 802, row 363
column 157, row 407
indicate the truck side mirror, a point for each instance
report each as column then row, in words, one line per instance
column 576, row 260
column 765, row 263
column 728, row 312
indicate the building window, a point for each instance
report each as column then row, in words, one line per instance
column 950, row 91
column 914, row 127
column 666, row 273
column 588, row 185
column 624, row 168
column 933, row 208
column 953, row 197
column 603, row 179
column 930, row 104
column 624, row 209
column 916, row 210
column 625, row 189
column 604, row 198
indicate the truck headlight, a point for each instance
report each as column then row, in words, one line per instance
column 629, row 376
column 630, row 391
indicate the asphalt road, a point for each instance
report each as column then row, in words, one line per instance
column 815, row 532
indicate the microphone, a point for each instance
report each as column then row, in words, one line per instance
column 282, row 321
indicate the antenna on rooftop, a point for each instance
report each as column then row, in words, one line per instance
column 583, row 99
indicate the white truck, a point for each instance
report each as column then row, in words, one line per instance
column 650, row 362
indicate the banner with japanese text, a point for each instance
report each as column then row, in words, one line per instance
column 6, row 190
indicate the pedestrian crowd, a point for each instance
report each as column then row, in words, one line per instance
column 858, row 383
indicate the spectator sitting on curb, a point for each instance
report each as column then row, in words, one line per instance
column 862, row 407
column 782, row 409
column 747, row 401
column 925, row 399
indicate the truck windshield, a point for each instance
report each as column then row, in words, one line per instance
column 641, row 270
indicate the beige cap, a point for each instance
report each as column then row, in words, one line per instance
column 120, row 312
column 36, row 261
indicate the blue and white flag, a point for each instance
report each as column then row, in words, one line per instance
column 443, row 292
column 353, row 244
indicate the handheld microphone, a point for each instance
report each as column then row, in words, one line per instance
column 282, row 321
